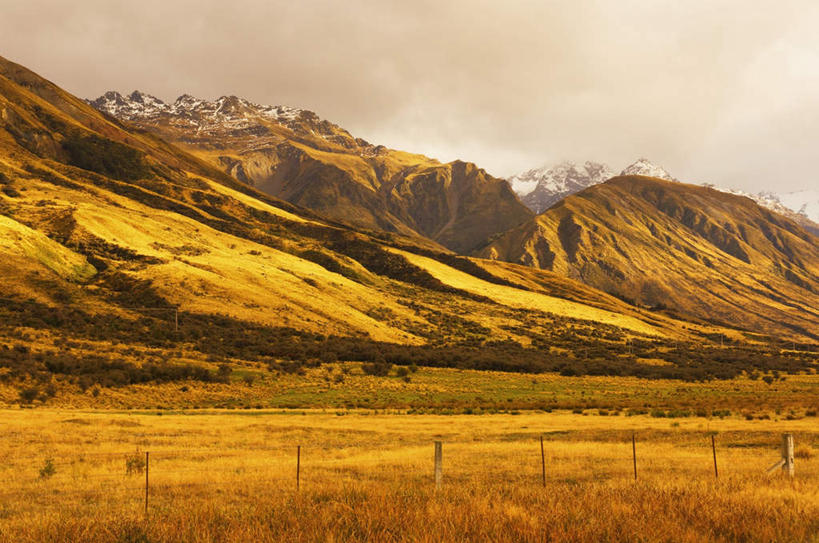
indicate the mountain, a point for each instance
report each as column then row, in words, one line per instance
column 294, row 155
column 697, row 251
column 797, row 209
column 127, row 260
column 804, row 202
column 541, row 188
column 643, row 166
column 552, row 184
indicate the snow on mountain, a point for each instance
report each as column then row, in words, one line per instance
column 541, row 188
column 551, row 184
column 800, row 206
column 804, row 202
column 226, row 111
column 644, row 167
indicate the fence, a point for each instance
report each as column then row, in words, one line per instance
column 132, row 478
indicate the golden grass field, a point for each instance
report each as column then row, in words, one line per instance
column 230, row 476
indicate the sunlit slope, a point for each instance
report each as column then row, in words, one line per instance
column 689, row 249
column 207, row 271
column 21, row 244
column 116, row 225
column 517, row 298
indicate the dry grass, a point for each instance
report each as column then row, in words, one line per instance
column 518, row 298
column 230, row 476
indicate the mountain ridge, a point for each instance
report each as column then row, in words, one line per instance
column 658, row 243
column 294, row 155
column 540, row 188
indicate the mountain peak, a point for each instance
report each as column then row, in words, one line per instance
column 643, row 166
column 548, row 185
column 140, row 106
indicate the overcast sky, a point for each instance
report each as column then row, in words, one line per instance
column 719, row 91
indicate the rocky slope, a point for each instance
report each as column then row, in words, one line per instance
column 691, row 249
column 294, row 155
column 127, row 261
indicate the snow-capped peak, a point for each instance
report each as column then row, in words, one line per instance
column 140, row 106
column 542, row 187
column 798, row 205
column 645, row 167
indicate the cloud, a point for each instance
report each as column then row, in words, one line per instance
column 712, row 90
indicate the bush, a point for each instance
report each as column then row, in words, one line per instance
column 48, row 470
column 378, row 368
column 135, row 464
column 29, row 394
column 223, row 373
column 11, row 192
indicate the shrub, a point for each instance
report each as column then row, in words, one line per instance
column 223, row 373
column 11, row 192
column 48, row 470
column 29, row 394
column 378, row 368
column 135, row 464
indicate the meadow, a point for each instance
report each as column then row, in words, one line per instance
column 344, row 386
column 230, row 475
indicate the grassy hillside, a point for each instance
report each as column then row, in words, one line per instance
column 128, row 261
column 689, row 250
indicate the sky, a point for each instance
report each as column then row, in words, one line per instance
column 716, row 91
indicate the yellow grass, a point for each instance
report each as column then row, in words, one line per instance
column 230, row 476
column 20, row 240
column 523, row 299
column 253, row 202
column 228, row 275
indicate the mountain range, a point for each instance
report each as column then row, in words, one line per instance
column 103, row 218
column 700, row 252
column 294, row 155
column 541, row 188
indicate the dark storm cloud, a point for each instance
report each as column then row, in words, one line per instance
column 721, row 91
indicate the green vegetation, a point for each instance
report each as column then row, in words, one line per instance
column 105, row 156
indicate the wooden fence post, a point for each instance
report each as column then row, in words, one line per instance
column 714, row 450
column 298, row 467
column 786, row 462
column 543, row 461
column 439, row 474
column 634, row 453
column 787, row 453
column 146, row 482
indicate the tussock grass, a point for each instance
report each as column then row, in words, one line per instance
column 224, row 476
